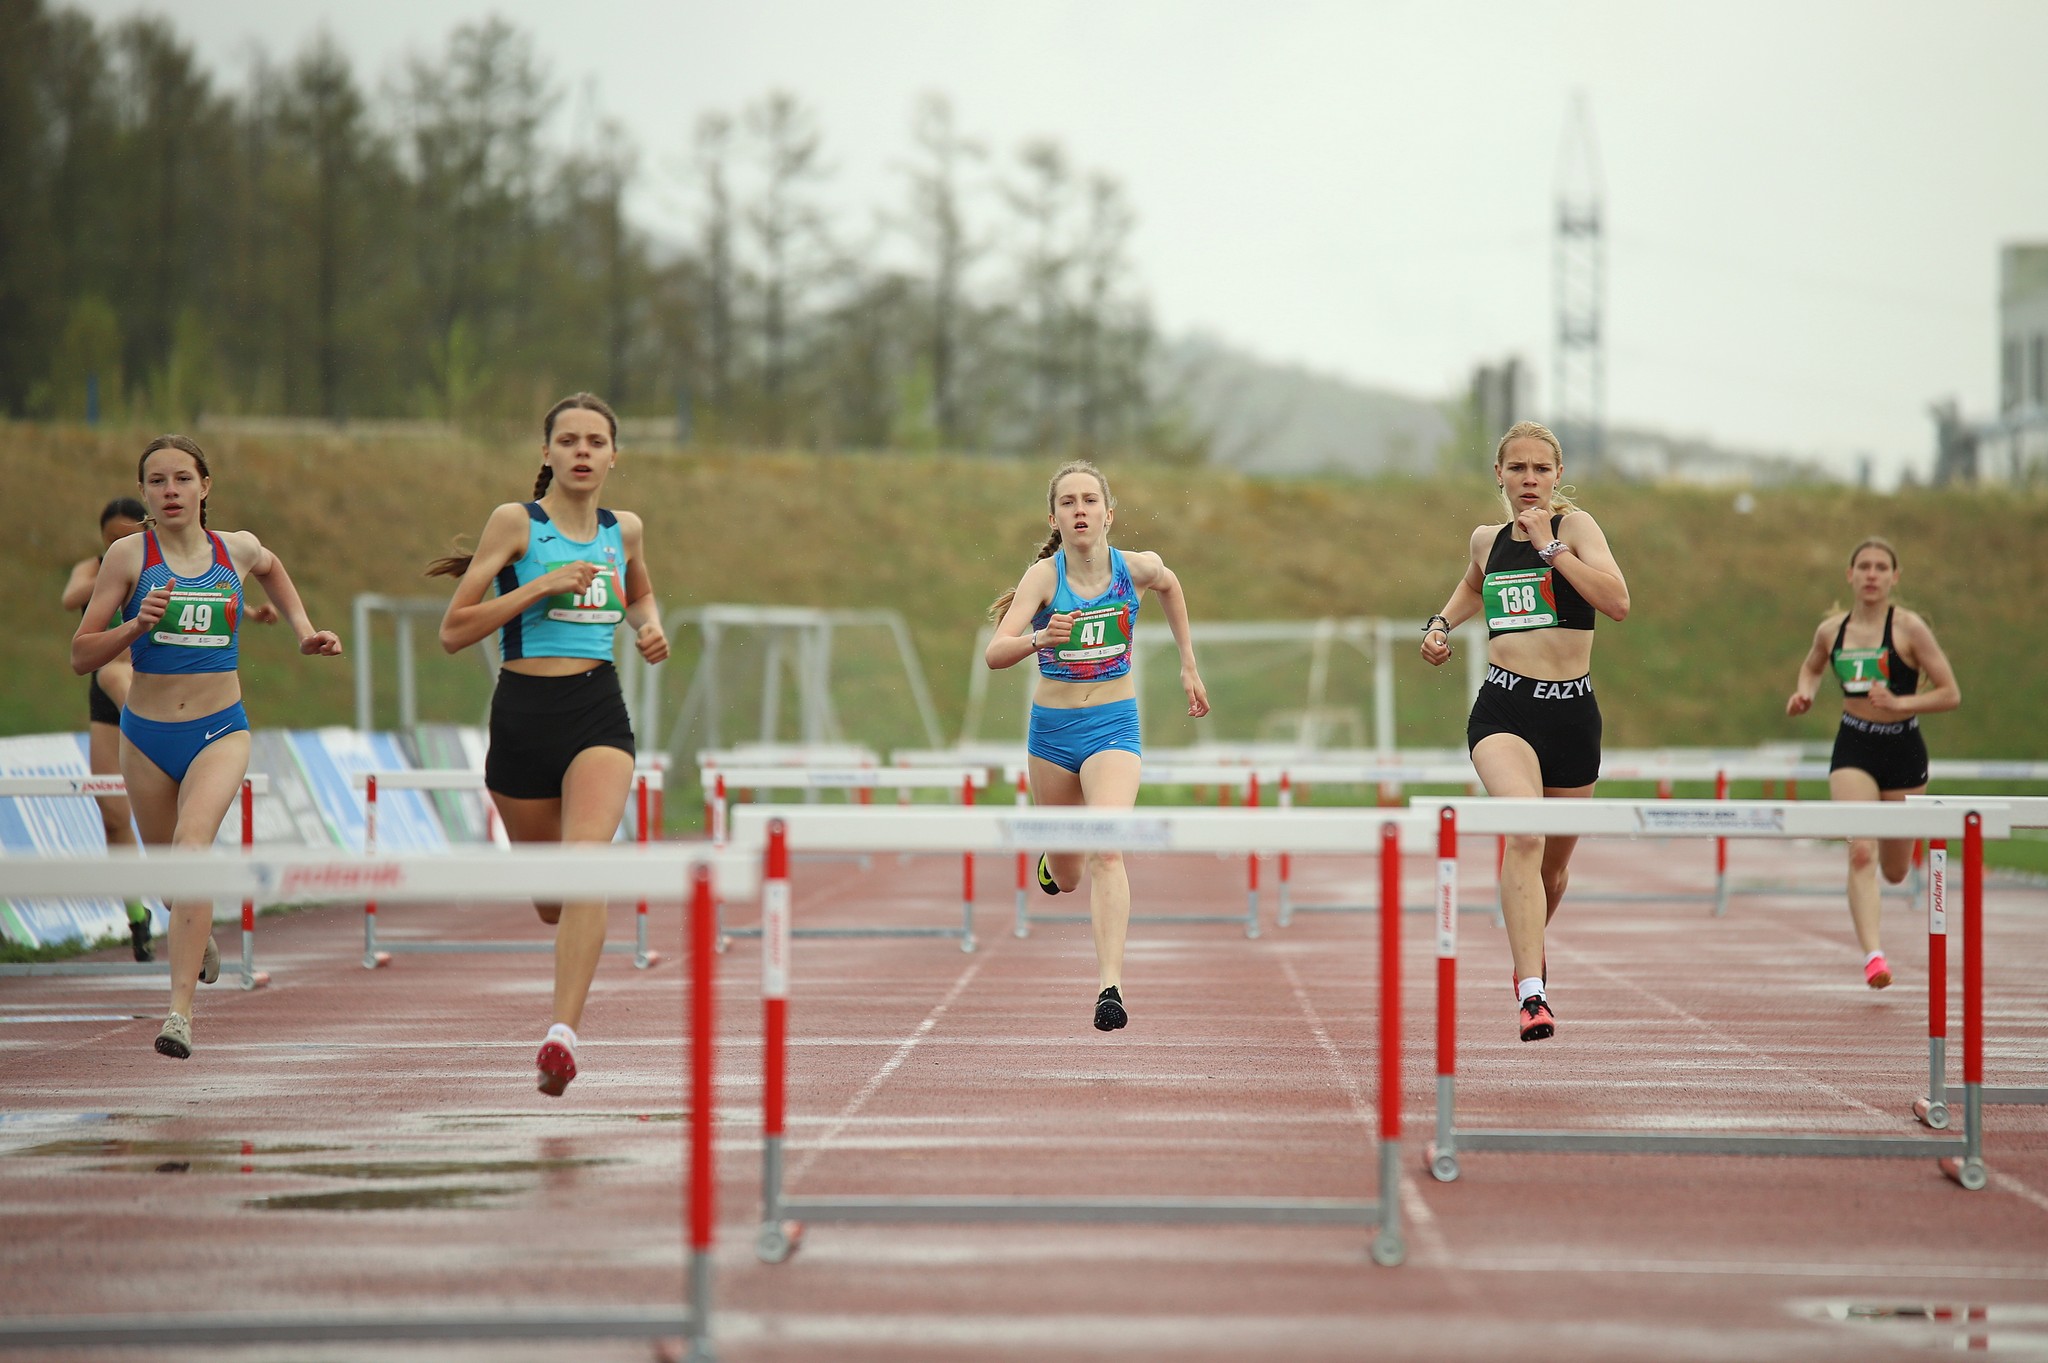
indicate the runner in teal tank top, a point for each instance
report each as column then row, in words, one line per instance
column 169, row 598
column 1074, row 612
column 567, row 574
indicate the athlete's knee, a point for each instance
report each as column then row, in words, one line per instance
column 1895, row 864
column 1524, row 845
column 1554, row 881
column 1862, row 854
column 550, row 913
column 1105, row 863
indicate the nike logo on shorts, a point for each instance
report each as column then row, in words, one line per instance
column 217, row 733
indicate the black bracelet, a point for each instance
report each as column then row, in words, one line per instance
column 1431, row 624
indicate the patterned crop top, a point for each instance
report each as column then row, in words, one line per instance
column 1100, row 647
column 198, row 631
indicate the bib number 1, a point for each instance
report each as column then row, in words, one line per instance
column 1859, row 669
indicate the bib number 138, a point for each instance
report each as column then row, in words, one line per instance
column 1519, row 600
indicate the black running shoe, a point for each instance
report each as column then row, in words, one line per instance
column 138, row 936
column 1045, row 880
column 1109, row 1010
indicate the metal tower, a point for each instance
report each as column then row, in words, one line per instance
column 1579, row 397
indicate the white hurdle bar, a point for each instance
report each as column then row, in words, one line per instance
column 1961, row 1159
column 665, row 873
column 101, row 784
column 1226, row 776
column 863, row 781
column 2027, row 811
column 775, row 830
column 376, row 954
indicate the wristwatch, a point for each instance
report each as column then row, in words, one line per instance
column 1549, row 552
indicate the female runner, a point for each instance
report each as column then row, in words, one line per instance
column 176, row 590
column 1535, row 726
column 1879, row 652
column 1074, row 610
column 567, row 573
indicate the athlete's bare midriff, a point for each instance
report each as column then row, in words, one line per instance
column 1064, row 695
column 1544, row 654
column 173, row 697
column 552, row 667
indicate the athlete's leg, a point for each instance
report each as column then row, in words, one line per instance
column 1508, row 768
column 103, row 758
column 1557, row 853
column 532, row 821
column 593, row 800
column 1895, row 855
column 1846, row 784
column 1053, row 784
column 1109, row 780
column 187, row 814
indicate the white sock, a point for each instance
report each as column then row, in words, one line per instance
column 1875, row 955
column 563, row 1033
column 1529, row 986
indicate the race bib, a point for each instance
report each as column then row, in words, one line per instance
column 1098, row 634
column 197, row 617
column 1858, row 668
column 602, row 603
column 1519, row 599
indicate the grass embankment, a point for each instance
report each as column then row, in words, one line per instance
column 1723, row 604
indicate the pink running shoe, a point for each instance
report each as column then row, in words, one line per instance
column 1876, row 973
column 1535, row 1019
column 557, row 1065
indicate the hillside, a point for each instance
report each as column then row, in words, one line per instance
column 1724, row 603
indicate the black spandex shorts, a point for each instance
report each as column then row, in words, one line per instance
column 99, row 705
column 1559, row 719
column 539, row 724
column 1895, row 754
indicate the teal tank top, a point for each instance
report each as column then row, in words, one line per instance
column 566, row 625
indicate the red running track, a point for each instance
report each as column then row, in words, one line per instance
column 350, row 1140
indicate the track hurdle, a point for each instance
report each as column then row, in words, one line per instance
column 1961, row 1159
column 667, row 873
column 1388, row 779
column 94, row 786
column 863, row 781
column 773, row 831
column 1228, row 777
column 2027, row 811
column 377, row 953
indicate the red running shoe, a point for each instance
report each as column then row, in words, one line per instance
column 1535, row 1019
column 1876, row 973
column 557, row 1065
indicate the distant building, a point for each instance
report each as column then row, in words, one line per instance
column 2014, row 448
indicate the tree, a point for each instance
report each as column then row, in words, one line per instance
column 792, row 247
column 1043, row 199
column 938, row 224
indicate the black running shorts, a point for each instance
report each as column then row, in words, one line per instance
column 539, row 724
column 1559, row 719
column 1895, row 755
column 99, row 706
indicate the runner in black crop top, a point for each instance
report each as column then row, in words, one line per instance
column 1879, row 752
column 1572, row 611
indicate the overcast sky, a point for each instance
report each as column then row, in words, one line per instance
column 1804, row 198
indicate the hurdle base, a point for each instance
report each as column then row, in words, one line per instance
column 1253, row 1211
column 1442, row 1164
column 1932, row 1113
column 376, row 960
column 255, row 980
column 1966, row 1173
column 2004, row 1094
column 776, row 1241
column 1707, row 1143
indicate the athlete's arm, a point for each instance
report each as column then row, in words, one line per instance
column 1464, row 601
column 1941, row 694
column 268, row 569
column 1588, row 564
column 643, row 612
column 1149, row 572
column 471, row 615
column 100, row 637
column 1012, row 642
column 1811, row 668
column 78, row 590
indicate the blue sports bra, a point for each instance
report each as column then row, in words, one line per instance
column 198, row 631
column 1100, row 646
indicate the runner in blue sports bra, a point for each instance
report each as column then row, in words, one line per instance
column 1879, row 653
column 177, row 589
column 568, row 572
column 1535, row 725
column 1074, row 611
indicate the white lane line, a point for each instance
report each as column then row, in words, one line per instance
column 1428, row 1237
column 889, row 1067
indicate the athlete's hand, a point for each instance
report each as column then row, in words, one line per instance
column 574, row 578
column 1436, row 648
column 323, row 643
column 262, row 613
column 1882, row 698
column 652, row 643
column 1799, row 703
column 1198, row 694
column 152, row 609
column 1057, row 631
column 1535, row 523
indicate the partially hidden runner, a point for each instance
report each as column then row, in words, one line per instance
column 1537, row 580
column 170, row 598
column 1074, row 611
column 567, row 573
column 1879, row 652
